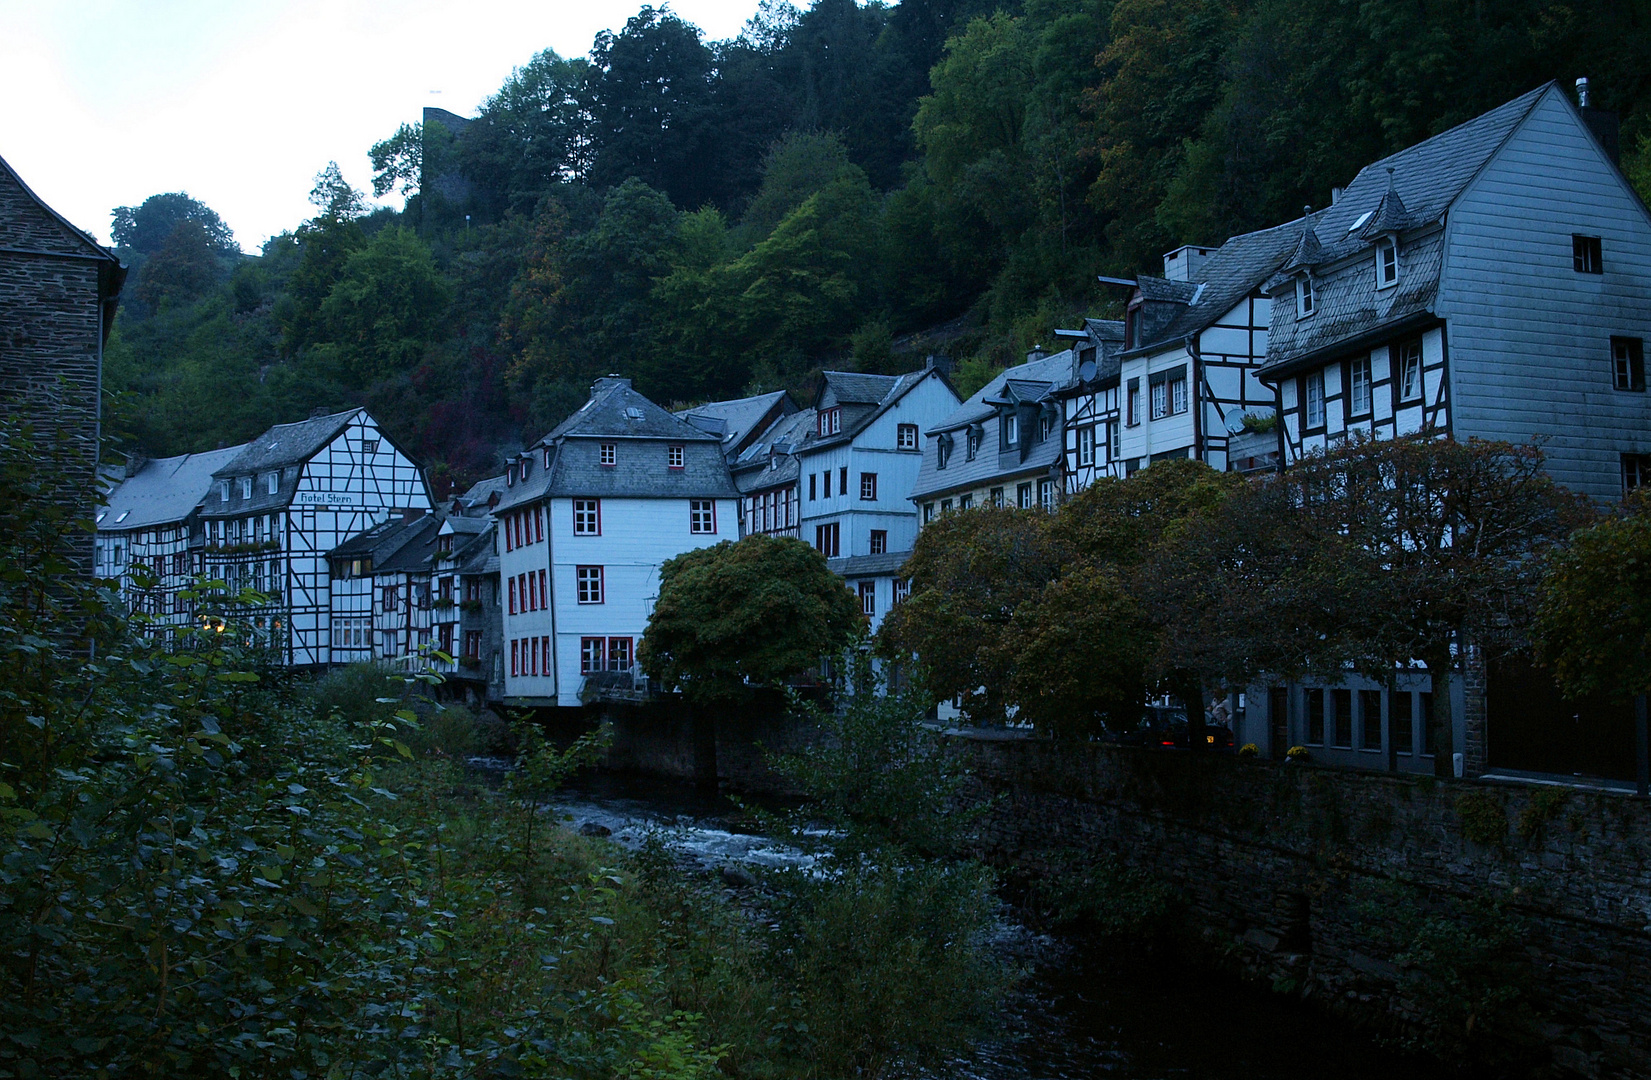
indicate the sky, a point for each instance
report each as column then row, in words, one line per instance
column 240, row 104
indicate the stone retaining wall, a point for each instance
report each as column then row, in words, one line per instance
column 1319, row 881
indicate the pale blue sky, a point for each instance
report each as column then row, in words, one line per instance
column 241, row 104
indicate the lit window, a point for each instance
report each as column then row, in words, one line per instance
column 589, row 579
column 907, row 437
column 868, row 486
column 587, row 517
column 610, row 454
column 673, row 457
column 1304, row 296
column 1313, row 393
column 1387, row 263
column 868, row 598
column 1358, row 386
column 702, row 516
column 1628, row 363
column 1586, row 256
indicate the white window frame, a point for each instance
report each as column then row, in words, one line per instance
column 674, row 456
column 1086, row 446
column 1305, row 301
column 906, row 437
column 1312, row 409
column 1359, row 397
column 587, row 517
column 1387, row 263
column 609, row 454
column 702, row 516
column 590, row 584
column 1410, row 381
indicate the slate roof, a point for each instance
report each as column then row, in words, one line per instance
column 288, row 444
column 1236, row 269
column 853, row 566
column 163, row 491
column 416, row 553
column 481, row 491
column 1050, row 376
column 381, row 541
column 641, row 430
column 894, row 387
column 1409, row 194
column 856, row 388
column 751, row 469
column 734, row 421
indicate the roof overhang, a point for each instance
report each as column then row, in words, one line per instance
column 1420, row 320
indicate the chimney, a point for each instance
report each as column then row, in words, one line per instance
column 1335, row 195
column 1603, row 123
column 1185, row 263
column 1035, row 353
column 607, row 382
column 937, row 362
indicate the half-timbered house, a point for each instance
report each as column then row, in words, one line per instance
column 290, row 496
column 1489, row 282
column 1193, row 342
column 588, row 515
column 1090, row 403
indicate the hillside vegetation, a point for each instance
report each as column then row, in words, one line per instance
column 846, row 185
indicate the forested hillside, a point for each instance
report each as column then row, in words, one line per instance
column 846, row 185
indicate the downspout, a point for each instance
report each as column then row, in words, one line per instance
column 1196, row 388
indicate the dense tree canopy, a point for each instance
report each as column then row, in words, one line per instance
column 839, row 185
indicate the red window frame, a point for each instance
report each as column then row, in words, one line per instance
column 515, row 648
column 588, row 574
column 616, row 647
column 592, row 507
column 512, row 588
column 539, row 523
column 593, row 655
column 544, row 591
column 868, row 487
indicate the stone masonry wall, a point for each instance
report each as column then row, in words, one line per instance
column 1305, row 878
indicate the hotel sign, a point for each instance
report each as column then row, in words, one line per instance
column 327, row 498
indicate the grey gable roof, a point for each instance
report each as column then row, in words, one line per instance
column 288, row 444
column 164, row 490
column 733, row 421
column 616, row 411
column 416, row 553
column 1052, row 372
column 896, row 387
column 1409, row 192
column 1237, row 268
column 854, row 388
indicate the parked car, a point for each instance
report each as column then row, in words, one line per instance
column 1166, row 726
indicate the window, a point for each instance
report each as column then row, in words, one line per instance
column 1315, row 716
column 1628, row 363
column 826, row 540
column 589, row 580
column 515, row 644
column 1404, row 728
column 1425, row 716
column 868, row 598
column 369, row 447
column 1133, row 414
column 811, row 493
column 472, row 643
column 593, row 655
column 1586, row 256
column 1304, row 296
column 1408, row 363
column 879, row 541
column 1046, row 426
column 1160, row 400
column 906, row 437
column 1132, row 327
column 1086, row 446
column 1342, row 699
column 389, row 593
column 539, row 523
column 928, row 512
column 1046, row 494
column 1358, row 386
column 997, row 498
column 942, row 450
column 902, row 591
column 1636, row 473
column 544, row 593
column 445, row 642
column 619, row 654
column 610, row 454
column 1023, row 496
column 273, row 480
column 673, row 457
column 945, row 506
column 1011, row 431
column 587, row 517
column 1112, row 440
column 548, row 453
column 1370, row 719
column 702, row 516
column 868, row 486
column 966, row 502
column 842, row 480
column 246, row 487
column 971, row 444
column 223, row 490
column 1387, row 263
column 1312, row 391
column 831, row 421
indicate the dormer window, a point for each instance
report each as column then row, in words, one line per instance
column 1132, row 327
column 673, row 457
column 1011, row 430
column 510, row 476
column 942, row 450
column 274, row 482
column 1387, row 263
column 547, row 457
column 246, row 487
column 527, row 466
column 610, row 454
column 1304, row 296
column 223, row 490
column 1046, row 426
column 972, row 447
column 830, row 421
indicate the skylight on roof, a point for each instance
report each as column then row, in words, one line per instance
column 1364, row 217
column 124, row 514
column 633, row 413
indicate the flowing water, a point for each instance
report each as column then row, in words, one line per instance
column 1083, row 1011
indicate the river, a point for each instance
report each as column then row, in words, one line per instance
column 1083, row 1011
